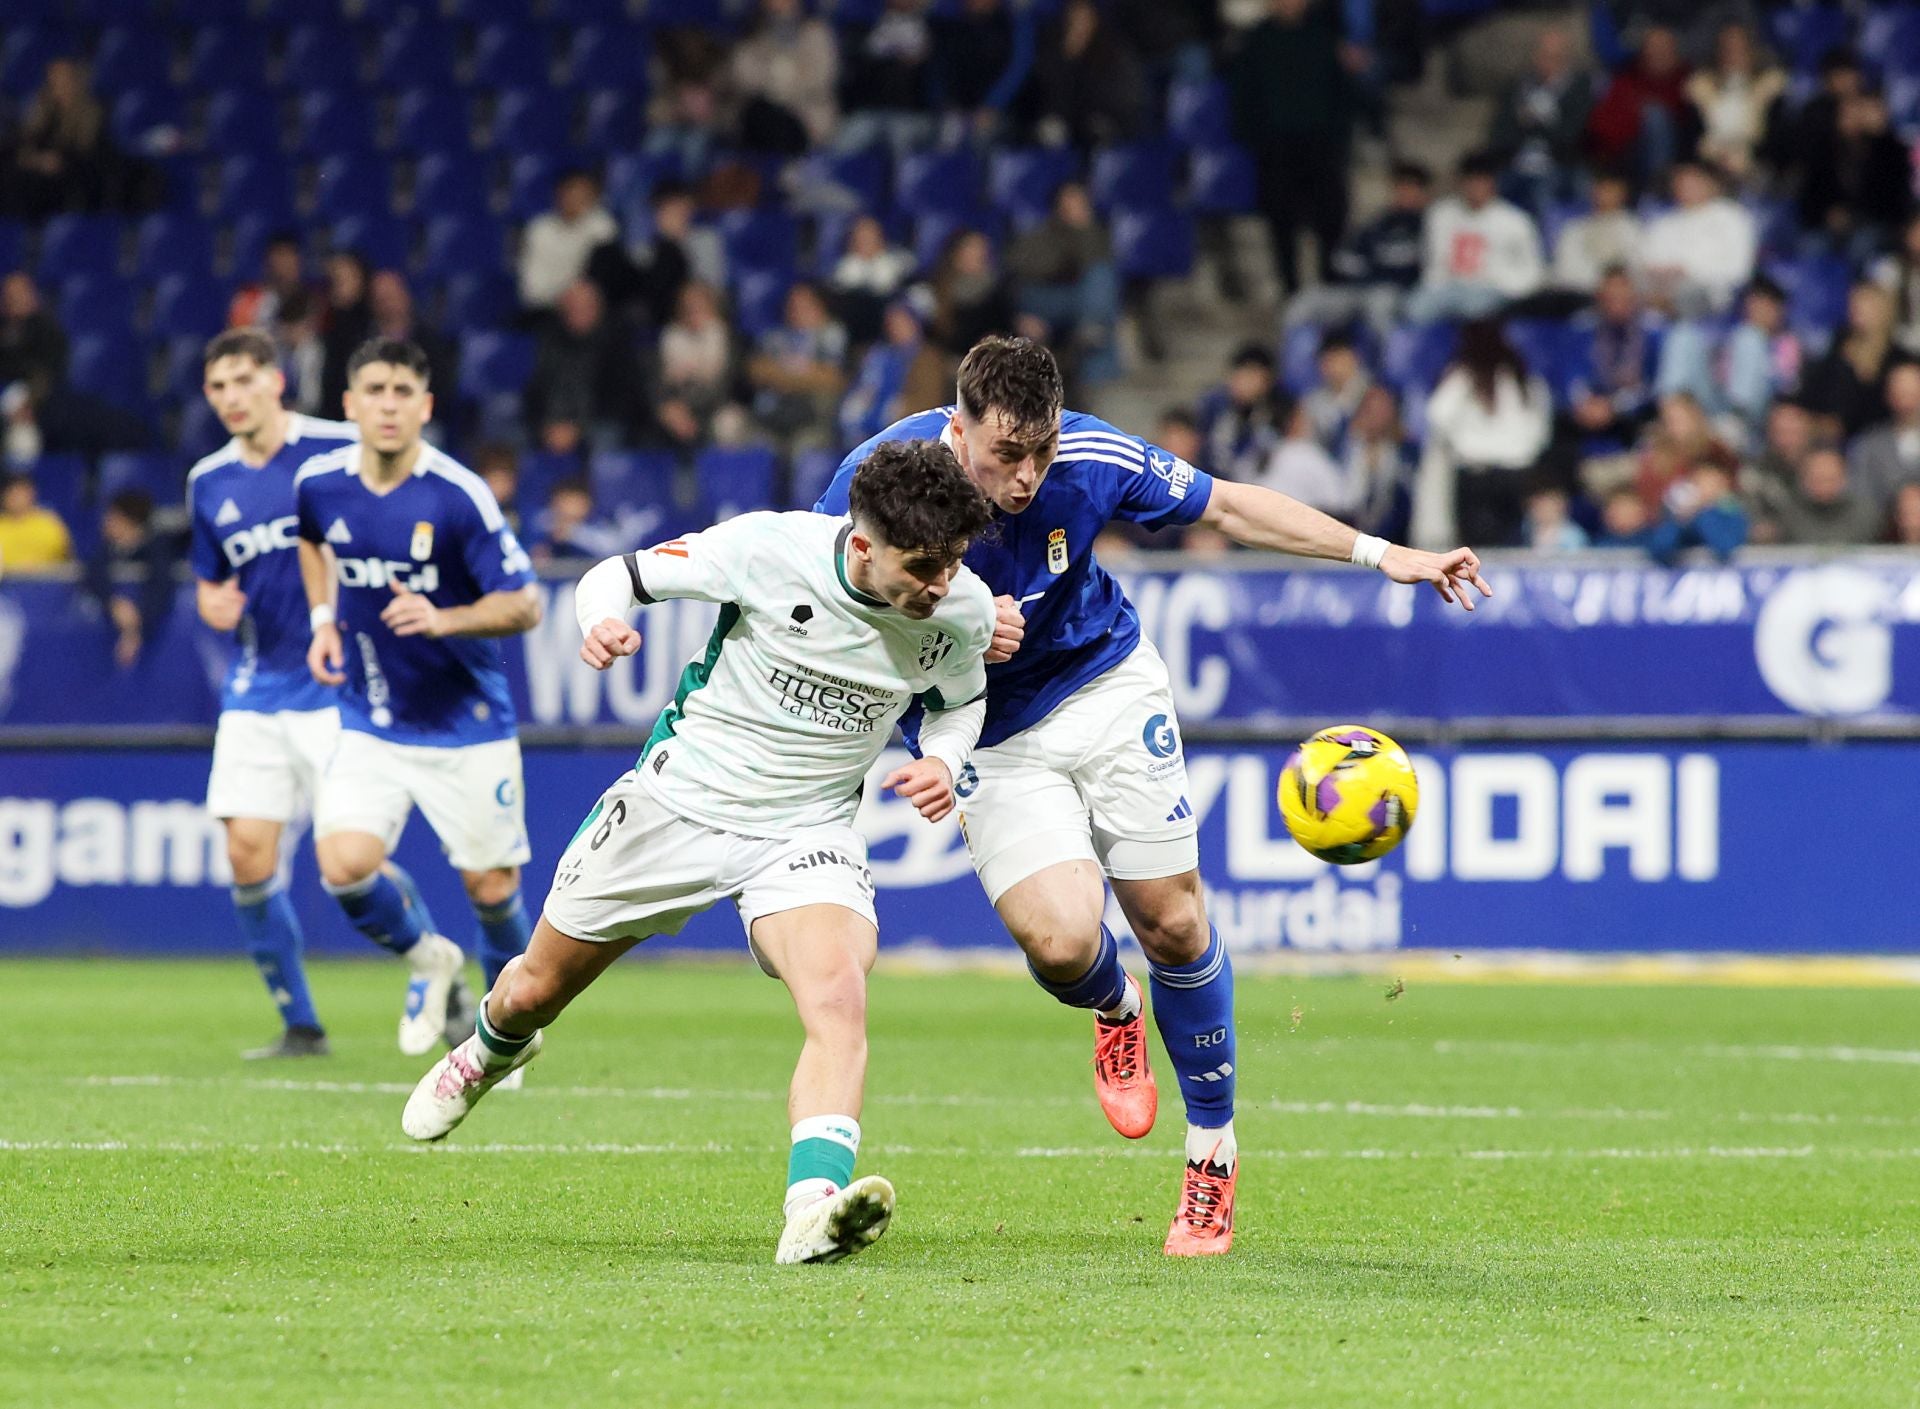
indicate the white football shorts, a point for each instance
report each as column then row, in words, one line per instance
column 471, row 796
column 636, row 868
column 1103, row 778
column 268, row 766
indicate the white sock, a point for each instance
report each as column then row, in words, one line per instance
column 1128, row 1008
column 1212, row 1145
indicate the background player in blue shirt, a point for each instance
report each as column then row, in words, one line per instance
column 409, row 570
column 277, row 723
column 1079, row 773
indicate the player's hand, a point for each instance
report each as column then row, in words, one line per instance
column 410, row 614
column 1009, row 629
column 1450, row 573
column 325, row 660
column 222, row 604
column 926, row 783
column 607, row 642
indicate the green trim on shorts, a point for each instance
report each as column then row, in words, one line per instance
column 592, row 817
column 692, row 678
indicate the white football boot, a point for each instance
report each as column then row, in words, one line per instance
column 839, row 1225
column 436, row 962
column 454, row 1087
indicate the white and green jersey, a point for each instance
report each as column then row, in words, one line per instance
column 774, row 727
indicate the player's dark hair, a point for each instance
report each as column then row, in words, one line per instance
column 915, row 496
column 397, row 352
column 1016, row 377
column 251, row 343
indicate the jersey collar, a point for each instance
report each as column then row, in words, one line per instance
column 840, row 570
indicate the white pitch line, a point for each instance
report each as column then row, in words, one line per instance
column 1892, row 1056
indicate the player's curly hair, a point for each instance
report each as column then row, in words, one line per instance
column 1016, row 377
column 914, row 495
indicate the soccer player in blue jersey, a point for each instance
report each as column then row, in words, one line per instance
column 277, row 723
column 409, row 571
column 1079, row 773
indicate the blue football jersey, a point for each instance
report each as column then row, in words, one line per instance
column 244, row 527
column 1079, row 623
column 440, row 533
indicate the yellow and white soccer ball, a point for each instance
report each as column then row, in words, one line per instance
column 1348, row 794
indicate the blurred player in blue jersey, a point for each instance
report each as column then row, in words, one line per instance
column 409, row 570
column 277, row 723
column 1079, row 772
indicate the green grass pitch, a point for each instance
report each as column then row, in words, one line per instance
column 1478, row 1195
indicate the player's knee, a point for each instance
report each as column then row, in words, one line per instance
column 836, row 1002
column 1174, row 932
column 252, row 860
column 1061, row 951
column 491, row 887
column 343, row 867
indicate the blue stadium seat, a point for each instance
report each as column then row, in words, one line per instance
column 760, row 239
column 321, row 56
column 189, row 304
column 1221, row 181
column 1154, row 243
column 321, row 12
column 1136, row 174
column 612, row 120
column 631, row 176
column 495, row 364
column 583, row 12
column 1816, row 287
column 24, row 53
column 225, row 56
column 697, row 14
column 180, row 372
column 257, row 186
column 474, row 302
column 1805, row 34
column 352, row 185
column 852, row 12
column 243, row 121
column 1200, row 114
column 485, row 11
column 1890, row 37
column 512, row 56
column 641, row 479
column 413, row 54
column 607, row 56
column 132, row 56
column 209, row 12
column 109, row 366
column 166, row 243
column 450, row 183
column 13, row 244
column 1903, row 103
column 1415, row 355
column 933, row 232
column 247, row 242
column 161, row 473
column 736, row 479
column 759, row 300
column 813, row 471
column 200, row 431
column 432, row 120
column 463, row 243
column 1300, row 357
column 79, row 244
column 529, row 120
column 140, row 113
column 333, row 122
column 927, row 182
column 1022, row 180
column 97, row 303
column 384, row 241
column 530, row 181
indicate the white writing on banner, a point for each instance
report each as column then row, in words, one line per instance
column 563, row 689
column 96, row 841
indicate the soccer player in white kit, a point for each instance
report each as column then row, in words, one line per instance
column 829, row 629
column 278, row 725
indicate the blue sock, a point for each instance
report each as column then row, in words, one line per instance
column 1193, row 1008
column 1101, row 987
column 411, row 890
column 504, row 933
column 272, row 934
column 379, row 909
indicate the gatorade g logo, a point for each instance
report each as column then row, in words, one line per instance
column 1159, row 737
column 504, row 793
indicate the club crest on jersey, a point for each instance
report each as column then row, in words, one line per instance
column 338, row 532
column 1176, row 472
column 933, row 648
column 1057, row 551
column 422, row 548
column 229, row 513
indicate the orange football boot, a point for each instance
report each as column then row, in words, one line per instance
column 1121, row 1076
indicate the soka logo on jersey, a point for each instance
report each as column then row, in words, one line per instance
column 1176, row 472
column 379, row 573
column 1057, row 551
column 263, row 538
column 422, row 547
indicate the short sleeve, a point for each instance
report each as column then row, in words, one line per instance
column 1167, row 492
column 203, row 548
column 307, row 510
column 708, row 566
column 492, row 554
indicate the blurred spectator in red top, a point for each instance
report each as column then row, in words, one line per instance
column 1641, row 120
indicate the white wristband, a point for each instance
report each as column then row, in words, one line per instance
column 320, row 616
column 1368, row 550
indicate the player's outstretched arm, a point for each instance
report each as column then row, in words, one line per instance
column 505, row 613
column 1260, row 518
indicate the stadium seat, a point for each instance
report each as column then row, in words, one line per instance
column 612, row 120
column 530, row 181
column 529, row 120
column 1415, row 355
column 132, row 56
column 13, row 244
column 853, row 12
column 180, row 372
column 724, row 15
column 933, row 232
column 475, row 302
column 759, row 239
column 189, row 304
column 1903, row 103
column 1816, row 287
column 333, row 122
column 96, row 303
column 160, row 472
column 641, row 479
column 1805, row 33
column 1299, row 357
column 1136, row 174
column 109, row 366
column 167, row 243
column 142, row 115
column 429, row 120
column 384, row 241
column 450, row 183
column 1221, row 181
column 354, row 184
column 813, row 471
column 321, row 56
column 79, row 244
column 512, row 56
column 463, row 243
column 495, row 364
column 607, row 56
column 1890, row 36
column 1022, row 180
column 24, row 53
column 416, row 53
column 927, row 182
column 242, row 121
column 1199, row 113
column 258, row 187
column 759, row 300
column 247, row 243
column 210, row 12
column 631, row 176
column 485, row 11
column 199, row 431
column 736, row 479
column 1152, row 243
column 223, row 56
column 594, row 12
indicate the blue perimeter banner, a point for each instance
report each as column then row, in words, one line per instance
column 1785, row 847
column 1838, row 640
